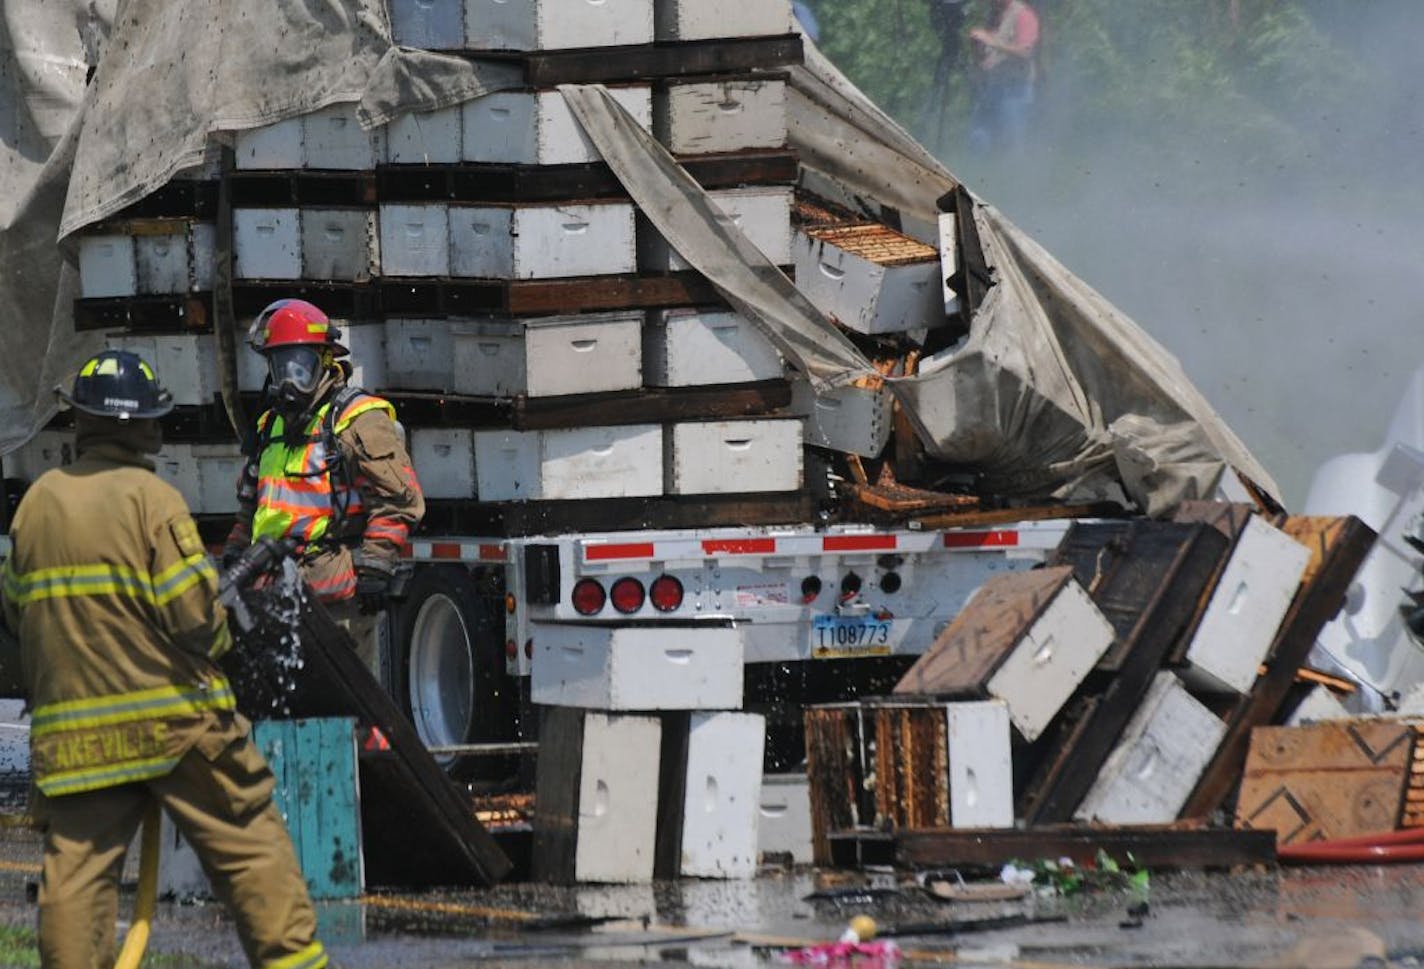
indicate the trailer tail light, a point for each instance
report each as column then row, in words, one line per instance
column 627, row 595
column 810, row 589
column 511, row 649
column 850, row 587
column 588, row 597
column 666, row 593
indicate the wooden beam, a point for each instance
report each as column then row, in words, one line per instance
column 1338, row 547
column 550, row 183
column 1153, row 846
column 678, row 59
column 418, row 827
column 614, row 514
column 1007, row 516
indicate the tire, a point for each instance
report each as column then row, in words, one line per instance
column 448, row 665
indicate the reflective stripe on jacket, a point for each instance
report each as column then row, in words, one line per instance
column 297, row 493
column 115, row 602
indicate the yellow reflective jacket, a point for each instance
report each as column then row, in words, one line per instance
column 115, row 602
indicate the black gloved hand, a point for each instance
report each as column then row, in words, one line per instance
column 373, row 585
column 230, row 554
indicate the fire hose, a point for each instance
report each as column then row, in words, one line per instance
column 256, row 562
column 1385, row 847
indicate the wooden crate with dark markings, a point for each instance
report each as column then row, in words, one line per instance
column 1326, row 780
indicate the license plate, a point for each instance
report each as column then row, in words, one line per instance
column 838, row 637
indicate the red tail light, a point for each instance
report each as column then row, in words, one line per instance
column 588, row 597
column 627, row 595
column 666, row 593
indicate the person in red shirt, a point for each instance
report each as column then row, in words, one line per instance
column 1007, row 72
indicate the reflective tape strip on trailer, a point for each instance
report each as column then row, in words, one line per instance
column 455, row 551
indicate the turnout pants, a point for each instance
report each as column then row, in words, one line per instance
column 220, row 797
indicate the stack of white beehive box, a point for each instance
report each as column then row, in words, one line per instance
column 321, row 209
column 646, row 766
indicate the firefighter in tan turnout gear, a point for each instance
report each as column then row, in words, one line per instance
column 115, row 603
column 329, row 468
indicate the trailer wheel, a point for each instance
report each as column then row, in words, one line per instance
column 449, row 669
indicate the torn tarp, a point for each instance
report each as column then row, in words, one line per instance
column 1053, row 394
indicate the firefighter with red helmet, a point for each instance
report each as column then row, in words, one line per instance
column 328, row 467
column 115, row 603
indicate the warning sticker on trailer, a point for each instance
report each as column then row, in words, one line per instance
column 751, row 596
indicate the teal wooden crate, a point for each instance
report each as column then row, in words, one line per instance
column 314, row 762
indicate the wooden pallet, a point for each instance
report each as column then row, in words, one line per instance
column 180, row 198
column 614, row 514
column 190, row 313
column 669, row 59
column 650, row 405
column 302, row 188
column 498, row 184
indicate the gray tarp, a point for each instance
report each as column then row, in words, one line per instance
column 174, row 76
column 1053, row 393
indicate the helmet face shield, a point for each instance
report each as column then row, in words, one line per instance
column 295, row 370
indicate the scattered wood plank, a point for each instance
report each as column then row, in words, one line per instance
column 1338, row 547
column 834, row 758
column 1153, row 846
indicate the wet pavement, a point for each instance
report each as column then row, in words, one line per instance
column 1316, row 917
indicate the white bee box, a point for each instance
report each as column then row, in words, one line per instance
column 367, row 343
column 219, row 467
column 428, row 24
column 690, row 347
column 784, row 822
column 1162, row 752
column 267, row 243
column 705, row 117
column 660, row 667
column 586, row 354
column 331, row 139
column 444, row 459
column 340, row 244
column 721, row 807
column 1319, row 704
column 43, row 452
column 870, row 278
column 722, row 457
column 981, row 775
column 277, row 145
column 175, row 465
column 415, row 240
column 186, row 364
column 762, row 213
column 426, row 137
column 107, row 266
column 556, row 24
column 538, row 128
column 706, row 19
column 541, row 241
column 365, row 340
column 1246, row 608
column 176, row 262
column 597, row 797
column 420, row 355
column 577, row 463
column 851, row 419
